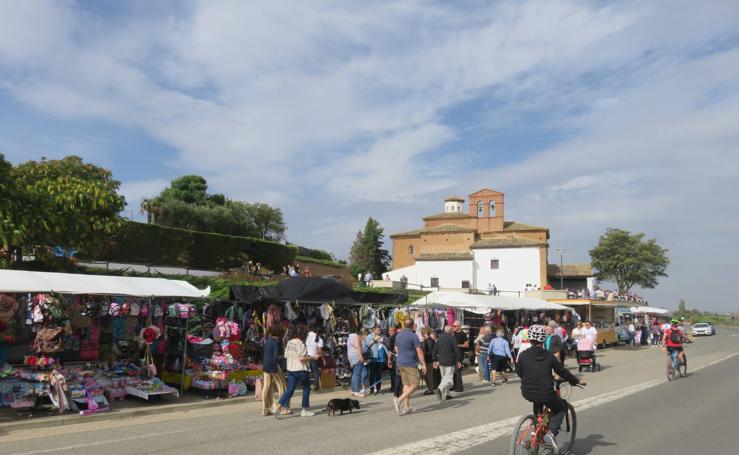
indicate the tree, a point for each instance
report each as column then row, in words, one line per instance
column 682, row 307
column 367, row 253
column 629, row 260
column 191, row 189
column 11, row 230
column 266, row 221
column 187, row 204
column 66, row 202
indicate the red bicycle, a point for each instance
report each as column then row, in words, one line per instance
column 528, row 434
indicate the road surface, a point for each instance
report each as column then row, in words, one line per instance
column 628, row 407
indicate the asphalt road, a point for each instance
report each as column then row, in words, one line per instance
column 626, row 408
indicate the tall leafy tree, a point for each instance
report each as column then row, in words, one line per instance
column 187, row 204
column 67, row 202
column 629, row 259
column 11, row 227
column 266, row 221
column 367, row 253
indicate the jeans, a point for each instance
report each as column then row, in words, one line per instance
column 316, row 369
column 357, row 369
column 396, row 385
column 484, row 366
column 293, row 377
column 375, row 377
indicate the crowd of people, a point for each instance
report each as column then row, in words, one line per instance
column 434, row 360
column 643, row 333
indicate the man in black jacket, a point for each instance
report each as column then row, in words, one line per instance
column 534, row 367
column 446, row 355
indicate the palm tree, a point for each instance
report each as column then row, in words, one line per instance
column 148, row 206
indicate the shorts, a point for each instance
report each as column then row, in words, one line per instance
column 671, row 349
column 500, row 363
column 409, row 376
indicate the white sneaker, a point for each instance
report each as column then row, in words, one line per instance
column 307, row 413
column 551, row 441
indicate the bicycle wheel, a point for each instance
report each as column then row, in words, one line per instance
column 568, row 431
column 683, row 367
column 523, row 439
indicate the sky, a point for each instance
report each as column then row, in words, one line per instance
column 587, row 115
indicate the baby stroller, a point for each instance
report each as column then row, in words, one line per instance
column 586, row 356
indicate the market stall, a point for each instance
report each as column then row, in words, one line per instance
column 76, row 342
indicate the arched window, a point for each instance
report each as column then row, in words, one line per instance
column 411, row 250
column 492, row 209
column 480, row 209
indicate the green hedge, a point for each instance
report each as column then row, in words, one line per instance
column 159, row 245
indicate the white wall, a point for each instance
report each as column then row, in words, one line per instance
column 450, row 273
column 518, row 266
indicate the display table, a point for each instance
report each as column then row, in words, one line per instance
column 149, row 394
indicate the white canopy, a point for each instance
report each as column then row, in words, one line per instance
column 648, row 310
column 71, row 283
column 482, row 304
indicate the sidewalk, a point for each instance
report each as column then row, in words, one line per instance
column 133, row 407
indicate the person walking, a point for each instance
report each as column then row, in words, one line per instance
column 516, row 342
column 429, row 340
column 378, row 355
column 314, row 345
column 553, row 342
column 481, row 349
column 409, row 355
column 463, row 343
column 500, row 352
column 297, row 358
column 396, row 386
column 273, row 379
column 356, row 361
column 447, row 357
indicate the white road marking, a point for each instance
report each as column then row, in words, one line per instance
column 472, row 437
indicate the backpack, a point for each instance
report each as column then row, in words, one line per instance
column 675, row 336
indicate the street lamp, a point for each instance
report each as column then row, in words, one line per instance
column 561, row 252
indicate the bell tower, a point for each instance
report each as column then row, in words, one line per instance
column 487, row 206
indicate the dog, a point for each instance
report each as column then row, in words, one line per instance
column 341, row 405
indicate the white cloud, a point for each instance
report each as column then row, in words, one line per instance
column 340, row 111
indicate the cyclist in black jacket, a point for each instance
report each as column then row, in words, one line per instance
column 534, row 367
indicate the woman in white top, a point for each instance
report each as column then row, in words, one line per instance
column 354, row 352
column 297, row 358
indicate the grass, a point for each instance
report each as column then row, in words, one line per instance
column 320, row 261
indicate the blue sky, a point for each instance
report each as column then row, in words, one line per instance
column 587, row 115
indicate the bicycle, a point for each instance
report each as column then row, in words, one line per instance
column 675, row 366
column 528, row 434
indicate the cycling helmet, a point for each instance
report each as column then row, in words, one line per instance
column 537, row 333
column 674, row 321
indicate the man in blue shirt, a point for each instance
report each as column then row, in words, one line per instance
column 499, row 353
column 409, row 355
